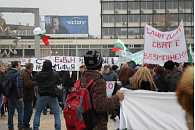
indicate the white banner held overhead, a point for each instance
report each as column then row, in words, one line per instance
column 160, row 47
column 150, row 110
column 67, row 63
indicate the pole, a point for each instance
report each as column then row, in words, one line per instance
column 37, row 38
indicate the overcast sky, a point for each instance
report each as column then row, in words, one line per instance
column 57, row 7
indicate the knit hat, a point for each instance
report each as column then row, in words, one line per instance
column 93, row 60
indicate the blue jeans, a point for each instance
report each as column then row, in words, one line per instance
column 28, row 110
column 42, row 102
column 19, row 105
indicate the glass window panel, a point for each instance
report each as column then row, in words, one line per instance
column 72, row 46
column 133, row 5
column 188, row 32
column 72, row 52
column 172, row 4
column 121, row 31
column 159, row 20
column 29, row 52
column 65, row 46
column 188, row 4
column 107, row 5
column 133, row 31
column 105, row 18
column 95, row 46
column 146, row 18
column 133, row 18
column 173, row 21
column 85, row 46
column 146, row 5
column 57, row 52
column 159, row 5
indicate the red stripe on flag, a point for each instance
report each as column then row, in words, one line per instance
column 114, row 49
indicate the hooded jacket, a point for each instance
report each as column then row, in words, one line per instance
column 47, row 82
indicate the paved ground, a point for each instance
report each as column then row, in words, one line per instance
column 47, row 123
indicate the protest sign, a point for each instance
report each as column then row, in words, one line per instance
column 67, row 63
column 160, row 47
column 110, row 87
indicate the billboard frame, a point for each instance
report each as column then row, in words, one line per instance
column 34, row 11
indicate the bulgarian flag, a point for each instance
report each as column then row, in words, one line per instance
column 190, row 58
column 119, row 46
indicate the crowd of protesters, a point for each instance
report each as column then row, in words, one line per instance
column 41, row 89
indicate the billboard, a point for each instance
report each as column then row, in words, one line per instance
column 66, row 24
column 12, row 26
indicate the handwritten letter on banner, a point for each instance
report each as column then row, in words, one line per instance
column 160, row 47
column 149, row 110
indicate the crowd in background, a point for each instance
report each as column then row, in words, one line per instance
column 131, row 76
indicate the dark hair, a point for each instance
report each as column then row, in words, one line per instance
column 29, row 65
column 47, row 65
column 169, row 65
column 14, row 64
column 93, row 60
column 131, row 64
column 114, row 67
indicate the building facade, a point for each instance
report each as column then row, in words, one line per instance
column 25, row 48
column 127, row 18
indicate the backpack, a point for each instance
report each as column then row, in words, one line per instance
column 6, row 86
column 79, row 113
column 11, row 81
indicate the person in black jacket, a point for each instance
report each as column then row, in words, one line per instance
column 47, row 81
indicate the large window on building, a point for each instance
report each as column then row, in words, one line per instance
column 146, row 5
column 159, row 20
column 108, row 5
column 185, row 4
column 134, row 18
column 188, row 32
column 187, row 19
column 159, row 4
column 120, row 5
column 108, row 31
column 120, row 18
column 108, row 18
column 146, row 18
column 29, row 52
column 171, row 20
column 172, row 4
column 121, row 31
column 133, row 5
column 133, row 32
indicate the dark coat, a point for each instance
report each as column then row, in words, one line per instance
column 171, row 80
column 28, row 89
column 47, row 83
column 16, row 91
column 102, row 104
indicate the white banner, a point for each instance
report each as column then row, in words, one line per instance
column 150, row 110
column 67, row 63
column 160, row 47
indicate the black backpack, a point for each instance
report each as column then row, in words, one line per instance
column 10, row 81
